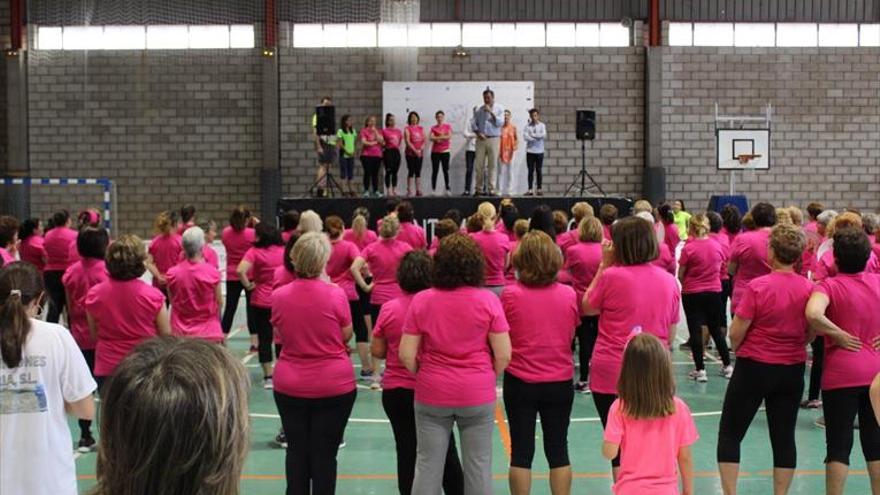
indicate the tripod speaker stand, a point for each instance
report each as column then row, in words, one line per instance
column 331, row 187
column 580, row 185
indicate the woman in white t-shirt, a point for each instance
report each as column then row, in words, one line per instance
column 42, row 375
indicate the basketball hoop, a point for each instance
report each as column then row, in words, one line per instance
column 745, row 159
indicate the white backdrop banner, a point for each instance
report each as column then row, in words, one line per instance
column 457, row 100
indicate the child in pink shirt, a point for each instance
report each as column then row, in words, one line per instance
column 441, row 137
column 651, row 435
column 414, row 135
column 393, row 137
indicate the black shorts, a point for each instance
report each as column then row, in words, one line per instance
column 328, row 153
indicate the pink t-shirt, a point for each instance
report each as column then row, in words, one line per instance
column 383, row 257
column 665, row 259
column 287, row 234
column 79, row 278
column 567, row 239
column 32, row 251
column 342, row 255
column 582, row 260
column 701, row 260
column 606, row 231
column 57, row 245
column 165, row 250
column 649, row 449
column 417, row 138
column 393, row 136
column 775, row 303
column 750, row 252
column 6, row 256
column 194, row 308
column 309, row 315
column 282, row 277
column 373, row 150
column 628, row 297
column 542, row 323
column 495, row 248
column 361, row 242
column 413, row 235
column 671, row 237
column 263, row 262
column 826, row 266
column 724, row 242
column 236, row 243
column 182, row 227
column 125, row 314
column 441, row 146
column 455, row 360
column 209, row 255
column 390, row 327
column 851, row 297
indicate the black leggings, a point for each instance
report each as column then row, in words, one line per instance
column 702, row 309
column 841, row 406
column 314, row 429
column 371, row 172
column 587, row 333
column 358, row 322
column 55, row 291
column 85, row 425
column 780, row 388
column 535, row 162
column 398, row 405
column 375, row 309
column 469, row 157
column 413, row 166
column 438, row 159
column 524, row 402
column 391, row 159
column 603, row 405
column 233, row 295
column 263, row 325
column 726, row 290
column 818, row 346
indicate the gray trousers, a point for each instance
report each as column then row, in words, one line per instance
column 486, row 159
column 433, row 426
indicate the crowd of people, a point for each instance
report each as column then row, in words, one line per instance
column 436, row 320
column 490, row 137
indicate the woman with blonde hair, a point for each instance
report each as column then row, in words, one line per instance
column 165, row 250
column 582, row 260
column 381, row 258
column 542, row 314
column 237, row 238
column 148, row 409
column 579, row 211
column 494, row 246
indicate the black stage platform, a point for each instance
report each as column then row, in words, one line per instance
column 434, row 207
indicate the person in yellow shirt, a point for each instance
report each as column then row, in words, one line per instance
column 509, row 143
column 682, row 217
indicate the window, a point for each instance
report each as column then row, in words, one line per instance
column 166, row 37
column 713, row 34
column 209, row 37
column 613, row 34
column 445, row 34
column 838, row 35
column 530, row 34
column 797, row 35
column 361, row 35
column 334, row 36
column 587, row 35
column 418, row 35
column 125, row 37
column 561, row 34
column 476, row 34
column 389, row 34
column 681, row 34
column 144, row 37
column 241, row 36
column 869, row 35
column 503, row 34
column 308, row 35
column 83, row 37
column 754, row 34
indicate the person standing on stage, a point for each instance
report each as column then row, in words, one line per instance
column 470, row 154
column 325, row 147
column 371, row 156
column 509, row 144
column 391, row 156
column 347, row 143
column 441, row 136
column 488, row 120
column 414, row 135
column 534, row 135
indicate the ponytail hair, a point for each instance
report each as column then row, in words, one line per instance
column 20, row 284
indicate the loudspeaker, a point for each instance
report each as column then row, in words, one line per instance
column 585, row 129
column 654, row 184
column 325, row 123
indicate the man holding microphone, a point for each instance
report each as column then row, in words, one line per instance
column 487, row 123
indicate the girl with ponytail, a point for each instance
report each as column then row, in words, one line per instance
column 42, row 375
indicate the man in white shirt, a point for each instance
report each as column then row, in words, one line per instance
column 534, row 135
column 487, row 123
column 470, row 153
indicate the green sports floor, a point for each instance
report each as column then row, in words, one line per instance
column 367, row 463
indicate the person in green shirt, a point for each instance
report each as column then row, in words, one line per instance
column 682, row 217
column 346, row 137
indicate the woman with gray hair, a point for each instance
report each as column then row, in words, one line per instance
column 310, row 221
column 314, row 381
column 823, row 221
column 194, row 289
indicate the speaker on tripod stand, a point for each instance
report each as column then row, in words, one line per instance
column 585, row 130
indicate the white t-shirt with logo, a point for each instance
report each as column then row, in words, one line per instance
column 36, row 449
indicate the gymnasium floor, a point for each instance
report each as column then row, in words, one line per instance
column 367, row 463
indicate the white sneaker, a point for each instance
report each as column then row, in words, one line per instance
column 699, row 376
column 267, row 383
column 727, row 371
column 376, row 385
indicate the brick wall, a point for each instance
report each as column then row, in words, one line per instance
column 170, row 127
column 826, row 123
column 607, row 80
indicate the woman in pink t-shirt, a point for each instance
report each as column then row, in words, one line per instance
column 8, row 239
column 838, row 310
column 371, row 141
column 398, row 384
column 619, row 297
column 699, row 270
column 495, row 248
column 314, row 381
column 79, row 278
column 57, row 243
column 410, row 232
column 748, row 252
column 716, row 226
column 31, row 249
column 455, row 340
column 582, row 261
column 237, row 238
column 441, row 137
column 770, row 334
column 257, row 274
column 165, row 250
column 648, row 427
column 123, row 311
column 671, row 236
column 194, row 289
column 542, row 315
column 393, row 137
column 414, row 135
column 381, row 258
